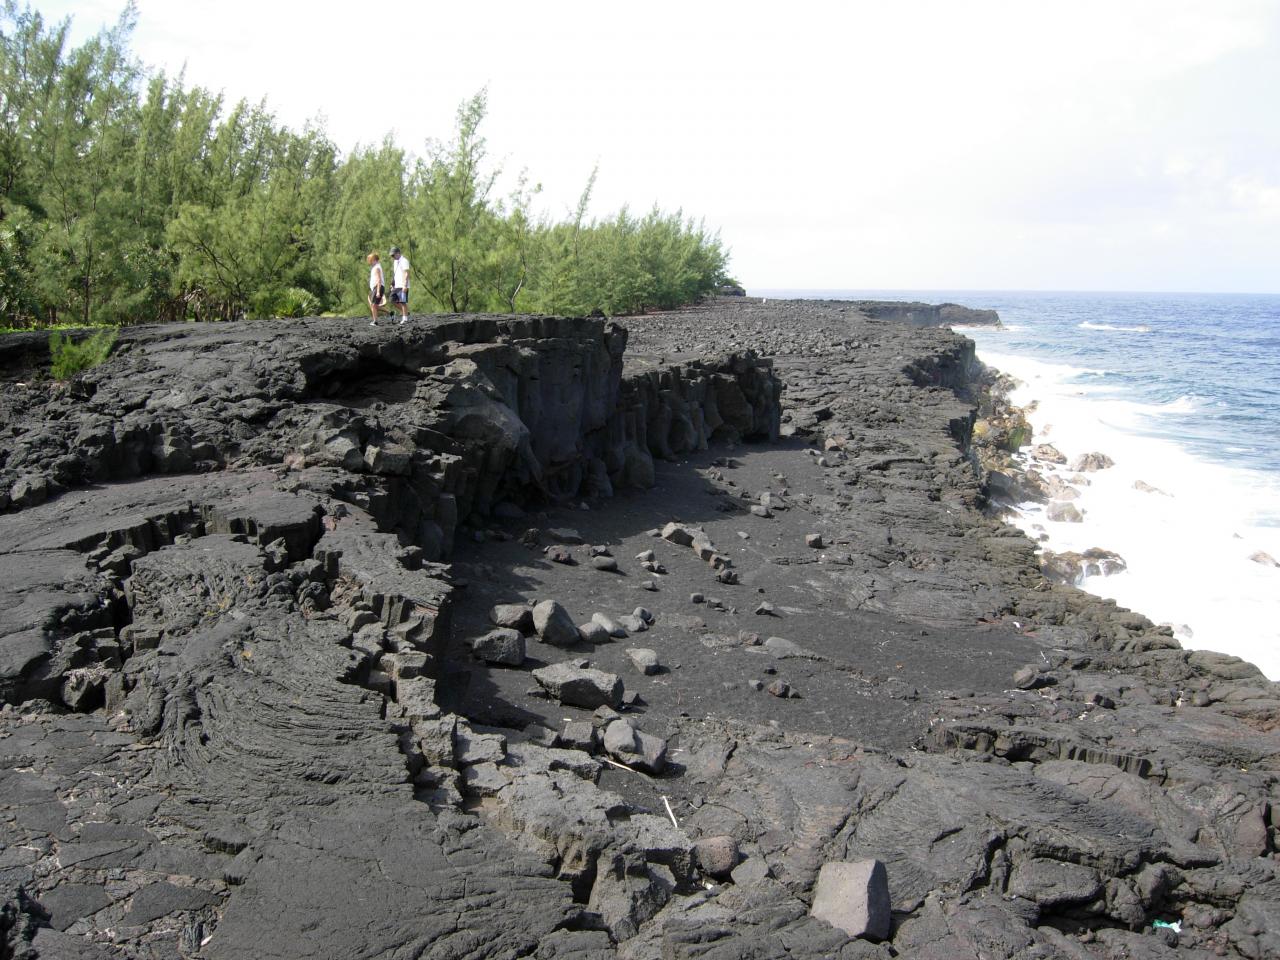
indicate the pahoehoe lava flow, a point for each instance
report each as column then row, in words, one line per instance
column 512, row 636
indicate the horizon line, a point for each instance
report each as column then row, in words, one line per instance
column 759, row 291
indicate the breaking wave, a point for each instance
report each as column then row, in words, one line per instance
column 1090, row 325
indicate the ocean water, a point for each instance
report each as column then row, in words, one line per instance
column 1182, row 391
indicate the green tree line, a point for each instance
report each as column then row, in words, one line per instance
column 129, row 197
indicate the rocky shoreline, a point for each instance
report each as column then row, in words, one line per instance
column 1019, row 471
column 546, row 637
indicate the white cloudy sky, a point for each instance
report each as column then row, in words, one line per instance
column 919, row 144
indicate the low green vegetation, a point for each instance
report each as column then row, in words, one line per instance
column 69, row 358
column 49, row 326
column 127, row 197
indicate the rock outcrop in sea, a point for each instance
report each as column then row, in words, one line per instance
column 927, row 314
column 545, row 637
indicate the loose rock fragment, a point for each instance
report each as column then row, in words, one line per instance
column 616, row 630
column 578, row 735
column 29, row 492
column 391, row 459
column 644, row 660
column 554, row 625
column 505, row 647
column 1062, row 512
column 679, row 534
column 782, row 648
column 539, row 735
column 603, row 716
column 415, row 699
column 619, row 738
column 854, row 897
column 716, row 856
column 652, row 753
column 634, row 747
column 516, row 616
column 696, row 539
column 593, row 633
column 1048, row 453
column 813, row 540
column 436, row 740
column 580, row 686
column 1088, row 462
column 1028, row 678
column 702, row 547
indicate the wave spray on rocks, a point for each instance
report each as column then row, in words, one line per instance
column 1194, row 535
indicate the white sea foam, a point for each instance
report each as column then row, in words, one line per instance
column 983, row 328
column 1187, row 403
column 1090, row 325
column 1188, row 552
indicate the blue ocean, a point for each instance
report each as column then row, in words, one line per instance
column 1182, row 392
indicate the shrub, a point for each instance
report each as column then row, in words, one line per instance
column 296, row 302
column 70, row 358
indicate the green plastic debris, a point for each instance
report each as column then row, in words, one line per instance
column 1176, row 926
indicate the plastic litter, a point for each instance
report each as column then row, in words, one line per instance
column 1176, row 926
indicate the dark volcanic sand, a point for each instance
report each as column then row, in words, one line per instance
column 219, row 589
column 870, row 676
column 864, row 675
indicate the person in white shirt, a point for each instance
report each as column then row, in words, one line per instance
column 400, row 283
column 377, row 288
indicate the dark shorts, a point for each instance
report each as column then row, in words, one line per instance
column 399, row 295
column 376, row 295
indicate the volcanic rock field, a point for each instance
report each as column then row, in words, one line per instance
column 686, row 636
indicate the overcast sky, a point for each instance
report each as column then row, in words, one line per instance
column 1117, row 145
